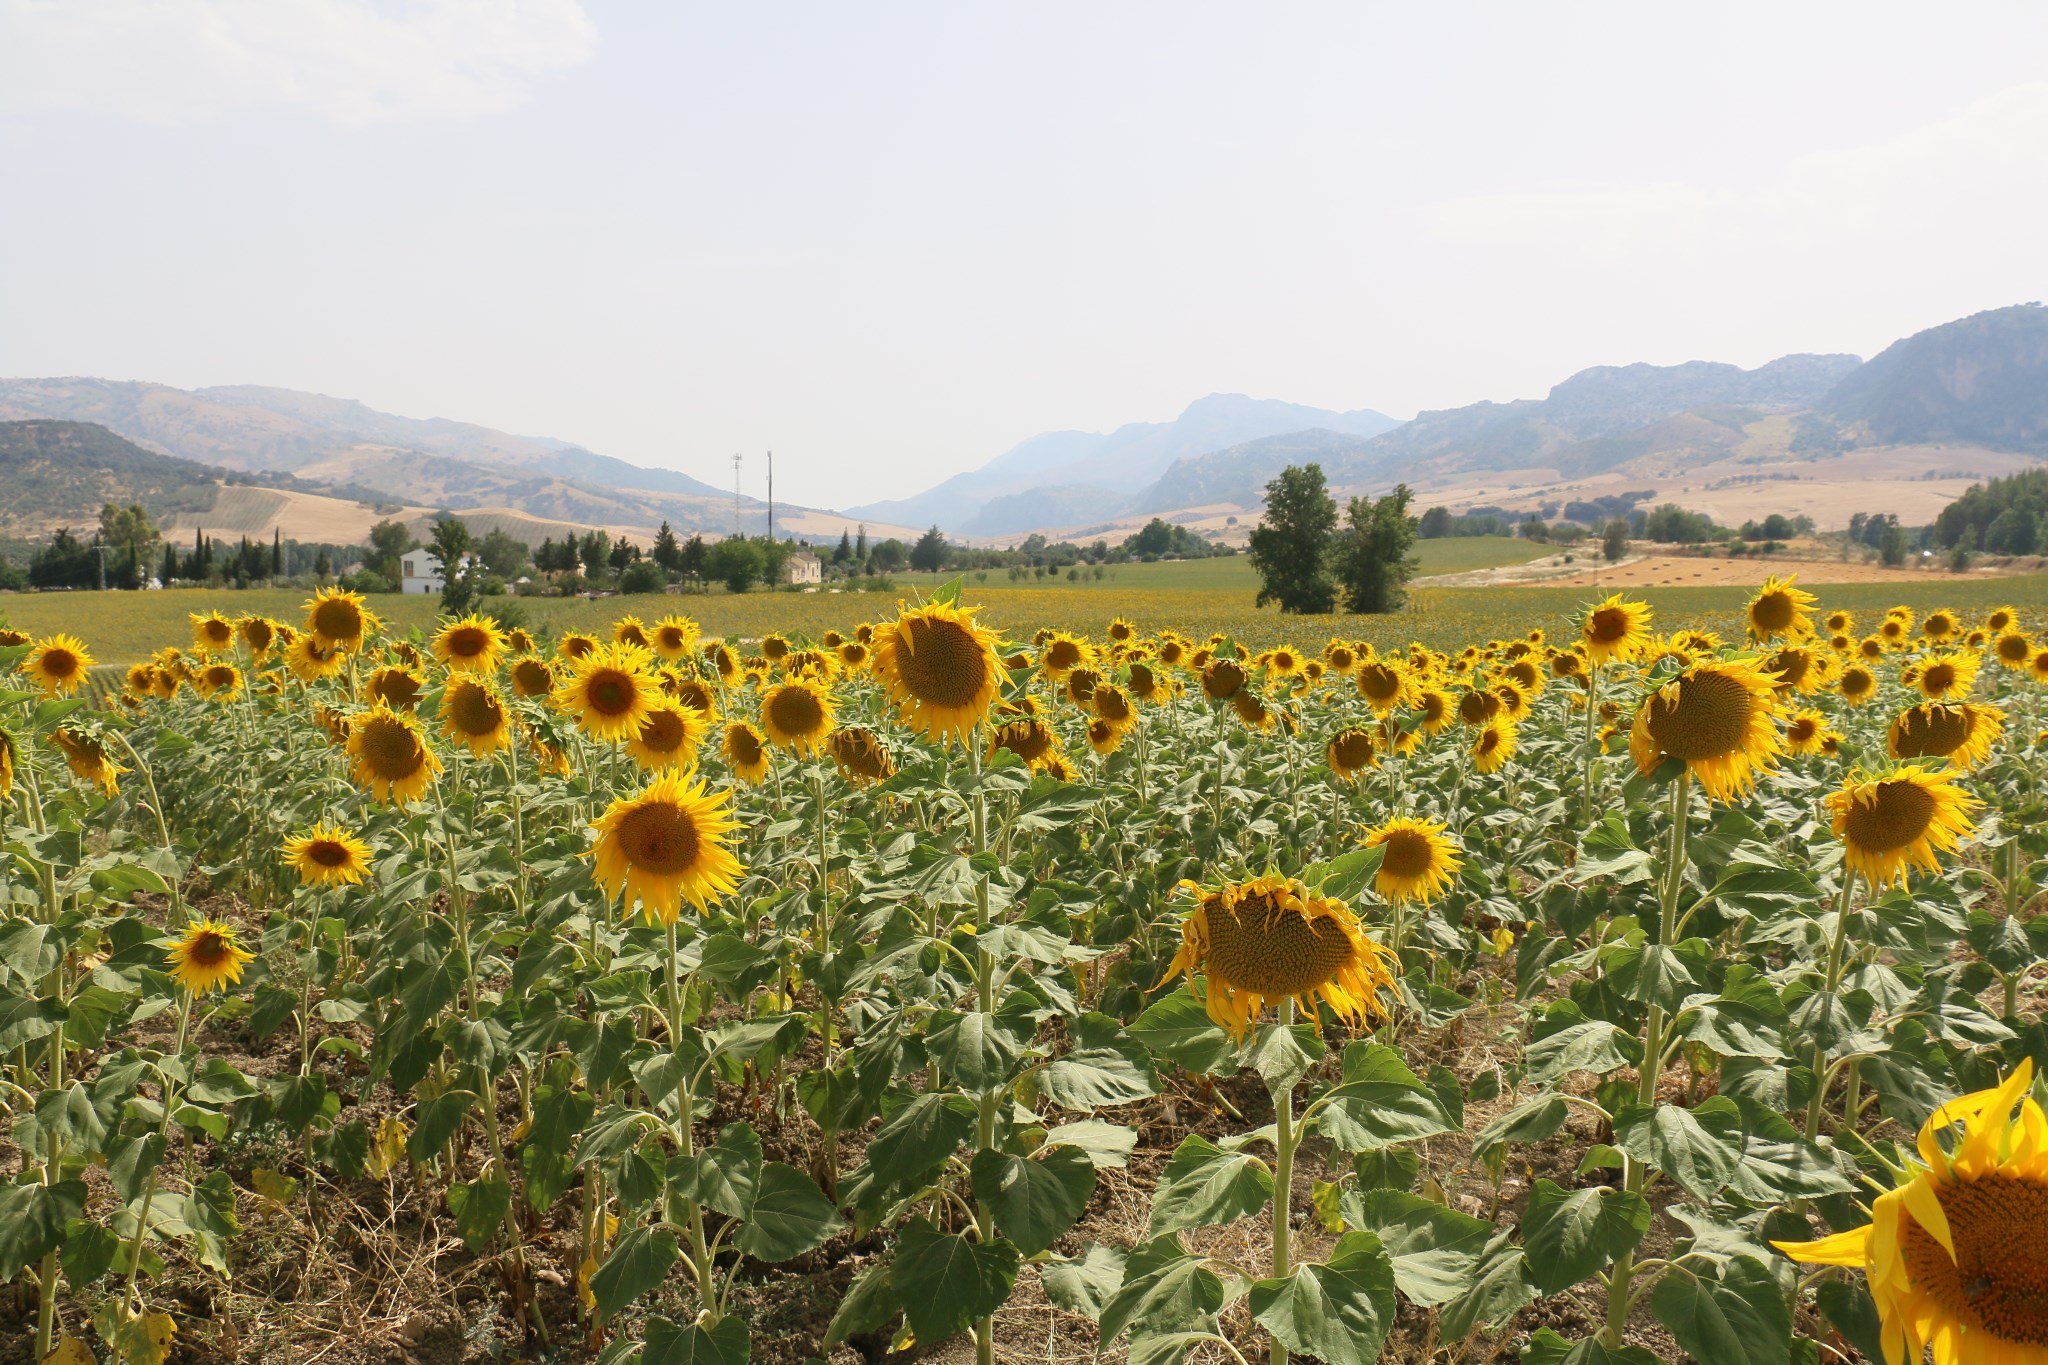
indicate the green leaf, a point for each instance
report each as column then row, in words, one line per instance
column 871, row 1303
column 1087, row 1284
column 1177, row 1028
column 1164, row 1290
column 1500, row 1287
column 1533, row 1120
column 480, row 1207
column 1569, row 1234
column 434, row 1122
column 32, row 1221
column 88, row 1252
column 1034, row 1201
column 1282, row 1055
column 1387, row 1168
column 1203, row 1185
column 723, row 1177
column 1657, row 973
column 1737, row 1318
column 670, row 1343
column 25, row 1018
column 1104, row 1144
column 1381, row 1101
column 1434, row 1249
column 1338, row 1310
column 946, row 1280
column 1105, row 1067
column 639, row 1262
column 920, row 1135
column 1546, row 1347
column 209, row 1210
column 1697, row 1148
column 1849, row 1307
column 979, row 1050
column 788, row 1217
column 1595, row 1045
column 1608, row 851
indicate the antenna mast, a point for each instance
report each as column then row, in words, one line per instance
column 771, row 495
column 736, row 494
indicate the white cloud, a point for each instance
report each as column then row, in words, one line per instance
column 344, row 61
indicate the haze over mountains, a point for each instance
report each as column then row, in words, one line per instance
column 1825, row 434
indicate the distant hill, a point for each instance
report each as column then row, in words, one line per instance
column 1982, row 379
column 356, row 452
column 62, row 473
column 1065, row 469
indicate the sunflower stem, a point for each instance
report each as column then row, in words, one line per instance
column 1837, row 963
column 1587, row 791
column 1285, row 1139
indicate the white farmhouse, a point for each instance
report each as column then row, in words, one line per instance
column 417, row 572
column 803, row 567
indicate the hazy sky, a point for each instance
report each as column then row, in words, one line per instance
column 889, row 240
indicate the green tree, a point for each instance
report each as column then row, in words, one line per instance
column 389, row 541
column 929, row 554
column 503, row 553
column 129, row 536
column 643, row 576
column 1291, row 546
column 2016, row 531
column 736, row 562
column 1614, row 541
column 594, row 550
column 1375, row 556
column 450, row 551
column 844, row 550
column 668, row 551
column 890, row 555
column 1892, row 548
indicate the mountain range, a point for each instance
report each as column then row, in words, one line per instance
column 1904, row 432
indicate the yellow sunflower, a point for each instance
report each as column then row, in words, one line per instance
column 940, row 668
column 1840, row 622
column 1962, row 733
column 1807, row 732
column 1145, row 683
column 1222, row 679
column 670, row 737
column 471, row 645
column 1340, row 656
column 1999, row 620
column 575, row 645
column 745, row 751
column 1945, row 677
column 1103, row 737
column 259, row 636
column 212, row 633
column 475, row 716
column 1493, row 745
column 1614, row 630
column 1940, row 625
column 87, row 757
column 1351, row 752
column 58, row 665
column 1418, row 861
column 1252, row 710
column 1062, row 654
column 390, row 756
column 310, row 660
column 219, row 682
column 1797, row 669
column 796, row 715
column 337, row 619
column 853, row 655
column 1953, row 1252
column 1384, row 685
column 862, row 756
column 631, row 630
column 667, row 845
column 531, row 677
column 1898, row 819
column 7, row 760
column 396, row 686
column 2013, row 650
column 206, row 957
column 673, row 637
column 1270, row 940
column 609, row 692
column 1857, row 684
column 1030, row 739
column 1720, row 719
column 1112, row 705
column 1778, row 611
column 327, row 855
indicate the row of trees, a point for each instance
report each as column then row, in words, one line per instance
column 1306, row 559
column 2006, row 516
column 127, row 550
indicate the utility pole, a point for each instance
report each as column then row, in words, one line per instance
column 771, row 495
column 736, row 495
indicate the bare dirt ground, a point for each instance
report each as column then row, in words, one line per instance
column 1698, row 571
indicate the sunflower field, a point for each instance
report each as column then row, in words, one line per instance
column 910, row 992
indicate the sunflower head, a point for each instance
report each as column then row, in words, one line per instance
column 212, row 633
column 1946, row 677
column 1807, row 732
column 1222, row 679
column 673, row 637
column 1145, row 683
column 2013, row 650
column 1940, row 625
column 390, row 756
column 1614, row 630
column 472, row 645
column 531, row 677
column 1718, row 718
column 475, row 716
column 327, row 855
column 310, row 660
column 575, row 645
column 631, row 630
column 1779, row 610
column 7, row 761
column 1272, row 939
column 259, row 636
column 862, row 756
column 1062, row 653
column 58, row 665
column 609, row 692
column 940, row 668
column 1493, row 744
column 1899, row 819
column 1961, row 732
column 1418, row 860
column 205, row 957
column 797, row 715
column 337, row 619
column 1385, row 684
column 668, row 844
column 85, row 753
column 1858, row 684
column 670, row 737
column 1030, row 738
column 396, row 686
column 219, row 681
column 745, row 751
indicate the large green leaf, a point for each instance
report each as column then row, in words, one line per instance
column 1164, row 1290
column 789, row 1216
column 1380, row 1101
column 1177, row 1028
column 1338, row 1310
column 32, row 1221
column 1203, row 1185
column 1569, row 1234
column 1105, row 1066
column 1595, row 1045
column 946, row 1280
column 1739, row 1317
column 1697, row 1148
column 639, row 1261
column 1034, row 1201
column 1086, row 1284
column 672, row 1343
column 977, row 1049
column 1499, row 1287
column 1434, row 1249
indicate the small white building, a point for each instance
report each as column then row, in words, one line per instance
column 417, row 572
column 803, row 567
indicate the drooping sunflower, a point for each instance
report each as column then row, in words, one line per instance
column 327, row 855
column 212, row 633
column 206, row 957
column 310, row 660
column 337, row 619
column 670, row 737
column 2039, row 667
column 59, row 665
column 85, row 753
column 1953, row 1252
column 609, row 692
column 7, row 760
column 1252, row 710
column 390, row 756
column 475, row 716
column 1222, row 679
column 797, row 715
column 1857, row 684
column 1437, row 710
column 1515, row 704
column 1418, row 861
column 1029, row 738
column 1477, row 706
column 1871, row 648
column 1146, row 684
column 1080, row 686
column 745, row 751
column 862, row 755
column 940, row 668
column 2013, row 650
column 531, row 677
column 1962, row 733
column 518, row 641
column 1271, row 939
column 1351, row 752
column 140, row 680
column 1614, row 631
column 1103, row 737
column 396, row 686
column 1899, row 819
column 667, row 845
column 1795, row 669
column 1807, row 732
column 1173, row 651
column 1493, row 745
column 1718, row 718
column 472, row 645
column 259, row 636
column 1779, row 610
column 1943, row 677
column 673, row 637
